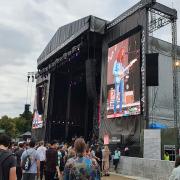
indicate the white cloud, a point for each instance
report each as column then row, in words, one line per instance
column 27, row 26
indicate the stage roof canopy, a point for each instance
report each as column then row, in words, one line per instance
column 67, row 33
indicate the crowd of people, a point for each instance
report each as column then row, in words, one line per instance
column 55, row 160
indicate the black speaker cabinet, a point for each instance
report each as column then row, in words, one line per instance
column 39, row 99
column 152, row 67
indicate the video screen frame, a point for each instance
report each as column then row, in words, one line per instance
column 129, row 102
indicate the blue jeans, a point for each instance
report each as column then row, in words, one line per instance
column 119, row 87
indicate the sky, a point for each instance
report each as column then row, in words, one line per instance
column 26, row 27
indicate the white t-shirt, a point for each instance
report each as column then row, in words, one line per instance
column 42, row 153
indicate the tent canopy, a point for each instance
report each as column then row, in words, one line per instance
column 157, row 126
column 28, row 133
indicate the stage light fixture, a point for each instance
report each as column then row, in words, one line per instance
column 32, row 78
column 28, row 77
column 177, row 63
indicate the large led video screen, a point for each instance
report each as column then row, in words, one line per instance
column 123, row 78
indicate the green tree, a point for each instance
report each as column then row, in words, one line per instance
column 21, row 125
column 8, row 125
column 16, row 126
column 27, row 115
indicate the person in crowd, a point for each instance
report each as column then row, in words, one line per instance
column 94, row 139
column 18, row 155
column 59, row 154
column 52, row 167
column 116, row 158
column 26, row 145
column 7, row 159
column 71, row 145
column 126, row 151
column 41, row 150
column 71, row 153
column 175, row 175
column 14, row 147
column 105, row 160
column 93, row 153
column 98, row 154
column 88, row 152
column 34, row 167
column 63, row 158
column 166, row 156
column 48, row 145
column 81, row 167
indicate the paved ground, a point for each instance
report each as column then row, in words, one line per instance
column 115, row 177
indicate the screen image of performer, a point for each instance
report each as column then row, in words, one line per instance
column 124, row 78
column 119, row 72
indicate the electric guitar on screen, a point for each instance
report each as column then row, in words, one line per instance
column 122, row 74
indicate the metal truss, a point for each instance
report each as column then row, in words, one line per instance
column 158, row 20
column 140, row 5
column 175, row 74
column 158, row 23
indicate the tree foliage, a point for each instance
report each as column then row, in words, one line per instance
column 16, row 126
column 8, row 125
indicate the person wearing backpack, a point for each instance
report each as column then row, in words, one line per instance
column 30, row 162
column 7, row 159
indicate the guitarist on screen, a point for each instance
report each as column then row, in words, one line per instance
column 119, row 72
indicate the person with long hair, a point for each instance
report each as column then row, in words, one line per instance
column 105, row 160
column 175, row 175
column 81, row 166
column 118, row 73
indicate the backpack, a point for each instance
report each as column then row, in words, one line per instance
column 26, row 162
column 4, row 156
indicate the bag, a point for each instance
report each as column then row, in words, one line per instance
column 3, row 158
column 26, row 162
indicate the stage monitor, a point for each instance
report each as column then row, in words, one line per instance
column 123, row 77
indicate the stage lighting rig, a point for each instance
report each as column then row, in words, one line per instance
column 31, row 75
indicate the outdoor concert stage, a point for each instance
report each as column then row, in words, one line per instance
column 92, row 77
